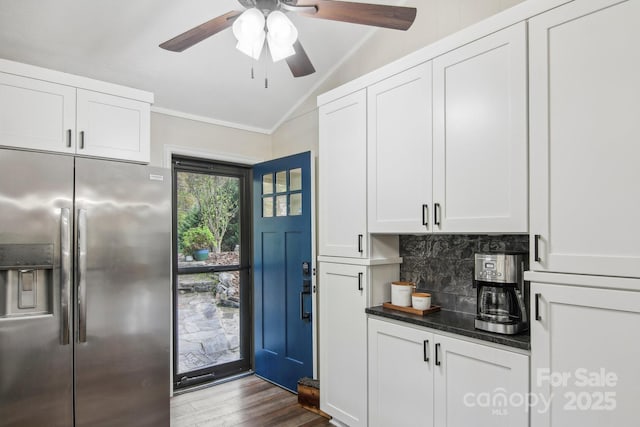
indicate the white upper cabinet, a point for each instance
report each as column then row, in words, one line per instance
column 37, row 115
column 480, row 135
column 399, row 152
column 447, row 142
column 46, row 110
column 343, row 177
column 113, row 127
column 585, row 133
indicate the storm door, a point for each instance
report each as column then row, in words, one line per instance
column 211, row 259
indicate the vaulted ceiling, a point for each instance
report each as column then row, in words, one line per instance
column 117, row 41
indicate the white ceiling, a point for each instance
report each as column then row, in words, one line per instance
column 117, row 41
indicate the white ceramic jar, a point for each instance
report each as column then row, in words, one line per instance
column 421, row 301
column 401, row 293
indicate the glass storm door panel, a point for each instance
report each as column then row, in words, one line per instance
column 211, row 265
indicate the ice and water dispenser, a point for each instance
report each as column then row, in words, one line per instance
column 26, row 279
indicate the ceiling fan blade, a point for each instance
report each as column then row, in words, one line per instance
column 394, row 17
column 201, row 32
column 300, row 64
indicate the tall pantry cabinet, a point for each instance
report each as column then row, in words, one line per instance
column 585, row 256
column 354, row 269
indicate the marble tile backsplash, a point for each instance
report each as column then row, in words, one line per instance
column 443, row 264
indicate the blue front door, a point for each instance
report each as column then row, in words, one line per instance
column 282, row 270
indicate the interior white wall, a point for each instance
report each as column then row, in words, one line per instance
column 435, row 19
column 204, row 137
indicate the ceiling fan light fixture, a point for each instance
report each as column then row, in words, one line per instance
column 281, row 35
column 248, row 28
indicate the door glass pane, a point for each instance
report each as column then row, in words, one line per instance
column 295, row 179
column 267, row 184
column 208, row 212
column 281, row 205
column 208, row 315
column 295, row 204
column 281, row 181
column 267, row 207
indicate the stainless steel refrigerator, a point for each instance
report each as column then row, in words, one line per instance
column 84, row 292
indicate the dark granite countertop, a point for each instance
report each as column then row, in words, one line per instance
column 454, row 322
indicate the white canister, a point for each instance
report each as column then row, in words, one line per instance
column 421, row 301
column 401, row 293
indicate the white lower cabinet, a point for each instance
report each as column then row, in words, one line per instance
column 400, row 375
column 343, row 342
column 478, row 385
column 421, row 378
column 584, row 358
column 345, row 290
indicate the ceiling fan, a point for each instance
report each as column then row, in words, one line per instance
column 265, row 19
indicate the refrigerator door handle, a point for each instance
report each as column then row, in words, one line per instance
column 82, row 275
column 65, row 273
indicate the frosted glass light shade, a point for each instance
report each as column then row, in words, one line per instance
column 248, row 28
column 281, row 35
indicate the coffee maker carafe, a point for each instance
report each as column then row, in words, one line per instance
column 501, row 293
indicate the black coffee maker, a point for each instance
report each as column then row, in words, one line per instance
column 502, row 294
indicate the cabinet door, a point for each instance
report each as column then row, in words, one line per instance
column 584, row 356
column 584, row 91
column 113, row 127
column 343, row 342
column 480, row 135
column 400, row 375
column 37, row 115
column 343, row 177
column 478, row 385
column 399, row 152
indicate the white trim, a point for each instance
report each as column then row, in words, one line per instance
column 314, row 271
column 45, row 74
column 607, row 282
column 170, row 150
column 212, row 121
column 359, row 261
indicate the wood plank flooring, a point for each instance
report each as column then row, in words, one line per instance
column 248, row 401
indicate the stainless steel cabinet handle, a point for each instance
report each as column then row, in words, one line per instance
column 65, row 273
column 437, row 348
column 82, row 140
column 425, row 345
column 425, row 215
column 82, row 275
column 360, row 236
column 68, row 137
column 536, row 248
column 360, row 281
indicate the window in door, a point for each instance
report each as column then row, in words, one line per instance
column 211, row 258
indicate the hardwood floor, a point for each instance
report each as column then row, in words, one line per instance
column 248, row 401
